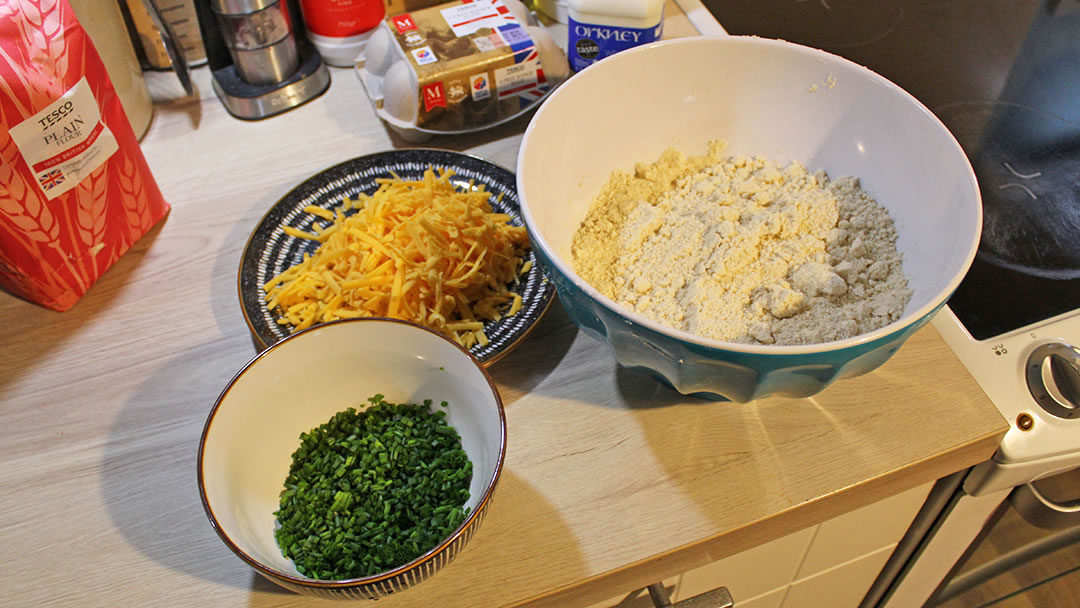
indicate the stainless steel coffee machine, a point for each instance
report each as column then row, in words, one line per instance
column 260, row 62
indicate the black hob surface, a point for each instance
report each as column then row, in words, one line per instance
column 1004, row 77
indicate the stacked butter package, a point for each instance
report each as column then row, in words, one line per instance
column 459, row 66
column 75, row 189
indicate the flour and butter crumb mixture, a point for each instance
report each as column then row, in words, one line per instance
column 739, row 249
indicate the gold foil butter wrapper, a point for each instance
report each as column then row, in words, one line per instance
column 459, row 67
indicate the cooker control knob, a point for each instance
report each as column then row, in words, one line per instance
column 1053, row 377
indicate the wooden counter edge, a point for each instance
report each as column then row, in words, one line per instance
column 674, row 562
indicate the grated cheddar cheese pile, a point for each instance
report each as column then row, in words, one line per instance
column 421, row 250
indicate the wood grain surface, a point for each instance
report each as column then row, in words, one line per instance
column 612, row 481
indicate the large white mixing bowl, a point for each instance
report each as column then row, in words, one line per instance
column 768, row 98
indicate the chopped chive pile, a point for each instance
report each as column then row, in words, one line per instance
column 371, row 490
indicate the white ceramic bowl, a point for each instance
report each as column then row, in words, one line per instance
column 767, row 98
column 301, row 382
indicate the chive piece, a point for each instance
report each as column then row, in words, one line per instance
column 371, row 490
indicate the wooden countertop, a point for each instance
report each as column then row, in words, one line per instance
column 612, row 482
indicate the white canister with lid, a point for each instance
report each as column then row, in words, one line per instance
column 104, row 23
column 599, row 28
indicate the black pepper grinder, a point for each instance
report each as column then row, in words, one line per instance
column 260, row 66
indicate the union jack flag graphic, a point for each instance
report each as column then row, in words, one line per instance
column 51, row 179
column 525, row 52
column 530, row 90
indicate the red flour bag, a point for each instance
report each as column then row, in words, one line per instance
column 75, row 190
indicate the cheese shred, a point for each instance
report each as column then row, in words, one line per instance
column 420, row 250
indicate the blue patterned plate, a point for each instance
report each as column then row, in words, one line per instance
column 269, row 251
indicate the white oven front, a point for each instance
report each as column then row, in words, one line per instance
column 1014, row 321
column 1031, row 376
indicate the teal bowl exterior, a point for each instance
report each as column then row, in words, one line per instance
column 720, row 373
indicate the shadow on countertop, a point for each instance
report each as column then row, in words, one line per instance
column 149, row 483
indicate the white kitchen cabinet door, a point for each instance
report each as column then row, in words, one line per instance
column 831, row 564
column 773, row 599
column 862, row 531
column 859, row 542
column 751, row 573
column 638, row 598
column 842, row 586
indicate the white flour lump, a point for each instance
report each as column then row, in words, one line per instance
column 739, row 249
